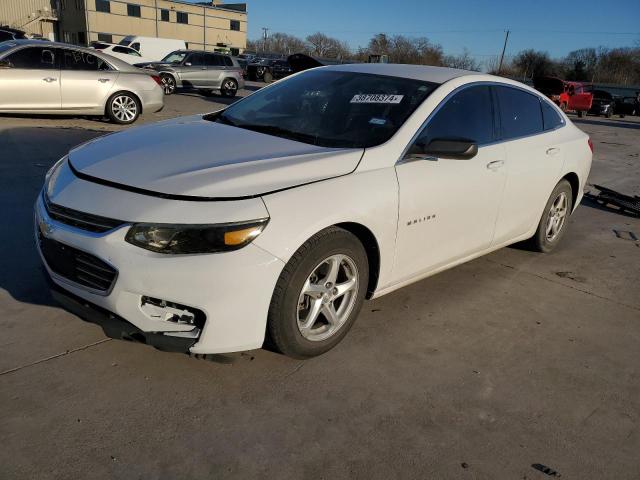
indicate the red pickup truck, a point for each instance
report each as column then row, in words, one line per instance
column 569, row 96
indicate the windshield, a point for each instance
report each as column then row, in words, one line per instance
column 331, row 109
column 174, row 57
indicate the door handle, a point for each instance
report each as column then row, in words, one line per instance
column 49, row 79
column 104, row 80
column 495, row 165
column 553, row 151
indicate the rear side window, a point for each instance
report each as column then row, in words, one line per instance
column 520, row 113
column 76, row 60
column 467, row 115
column 33, row 58
column 228, row 62
column 196, row 59
column 550, row 118
column 213, row 60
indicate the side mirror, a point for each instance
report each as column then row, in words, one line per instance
column 454, row 149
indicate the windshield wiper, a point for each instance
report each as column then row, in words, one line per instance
column 279, row 132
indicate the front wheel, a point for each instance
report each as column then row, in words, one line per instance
column 554, row 219
column 123, row 108
column 319, row 294
column 581, row 113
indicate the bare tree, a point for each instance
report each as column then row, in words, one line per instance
column 322, row 45
column 464, row 61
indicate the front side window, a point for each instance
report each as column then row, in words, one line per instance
column 133, row 10
column 103, row 6
column 195, row 59
column 520, row 113
column 76, row 60
column 467, row 115
column 228, row 62
column 330, row 109
column 550, row 118
column 213, row 60
column 33, row 58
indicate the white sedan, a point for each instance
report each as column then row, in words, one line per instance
column 126, row 54
column 276, row 217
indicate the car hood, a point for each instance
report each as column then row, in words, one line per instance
column 194, row 157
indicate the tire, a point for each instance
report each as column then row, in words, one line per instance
column 291, row 308
column 267, row 77
column 609, row 113
column 123, row 108
column 168, row 83
column 563, row 107
column 229, row 88
column 581, row 113
column 541, row 241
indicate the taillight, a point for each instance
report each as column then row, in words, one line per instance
column 159, row 81
column 590, row 144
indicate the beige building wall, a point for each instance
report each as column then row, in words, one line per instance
column 208, row 27
column 36, row 17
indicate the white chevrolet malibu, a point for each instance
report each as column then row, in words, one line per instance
column 275, row 218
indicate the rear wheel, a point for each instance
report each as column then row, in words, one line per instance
column 168, row 83
column 554, row 219
column 319, row 294
column 123, row 108
column 229, row 88
column 609, row 113
column 581, row 113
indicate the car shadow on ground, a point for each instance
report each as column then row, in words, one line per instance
column 34, row 151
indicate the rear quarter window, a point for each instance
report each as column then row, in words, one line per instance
column 551, row 119
column 520, row 113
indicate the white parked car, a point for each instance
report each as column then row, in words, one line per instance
column 153, row 47
column 282, row 213
column 126, row 54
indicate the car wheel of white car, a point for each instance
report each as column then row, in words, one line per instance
column 554, row 219
column 123, row 108
column 229, row 88
column 168, row 83
column 319, row 294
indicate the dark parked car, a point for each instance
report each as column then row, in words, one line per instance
column 267, row 69
column 207, row 72
column 626, row 106
column 8, row 33
column 603, row 103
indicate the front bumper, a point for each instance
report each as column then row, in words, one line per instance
column 233, row 289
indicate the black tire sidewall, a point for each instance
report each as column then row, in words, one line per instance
column 541, row 243
column 226, row 93
column 112, row 116
column 282, row 323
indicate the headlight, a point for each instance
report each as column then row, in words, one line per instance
column 189, row 239
column 52, row 176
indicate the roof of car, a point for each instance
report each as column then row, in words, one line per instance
column 416, row 72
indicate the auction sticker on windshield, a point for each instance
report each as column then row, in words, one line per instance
column 376, row 98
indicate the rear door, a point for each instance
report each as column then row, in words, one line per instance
column 86, row 80
column 31, row 80
column 534, row 157
column 215, row 69
column 193, row 71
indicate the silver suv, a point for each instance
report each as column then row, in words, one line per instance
column 207, row 72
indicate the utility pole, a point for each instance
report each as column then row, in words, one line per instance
column 265, row 34
column 504, row 48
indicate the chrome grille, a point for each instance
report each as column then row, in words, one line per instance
column 81, row 220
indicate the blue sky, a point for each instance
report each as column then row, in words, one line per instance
column 555, row 26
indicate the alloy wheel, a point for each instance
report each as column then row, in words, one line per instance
column 229, row 88
column 124, row 108
column 327, row 298
column 168, row 84
column 556, row 217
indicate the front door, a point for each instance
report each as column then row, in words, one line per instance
column 448, row 208
column 193, row 71
column 30, row 80
column 86, row 80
